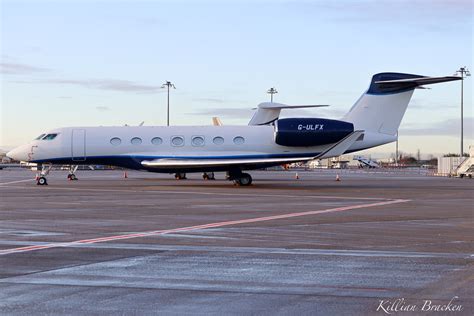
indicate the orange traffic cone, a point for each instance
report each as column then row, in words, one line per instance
column 337, row 177
column 125, row 174
column 297, row 176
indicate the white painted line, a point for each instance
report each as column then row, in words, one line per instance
column 65, row 203
column 272, row 250
column 197, row 227
column 18, row 181
column 167, row 192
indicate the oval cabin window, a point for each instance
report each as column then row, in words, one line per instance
column 239, row 140
column 177, row 141
column 115, row 141
column 157, row 141
column 198, row 141
column 136, row 141
column 218, row 140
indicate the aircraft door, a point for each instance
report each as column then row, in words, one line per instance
column 78, row 145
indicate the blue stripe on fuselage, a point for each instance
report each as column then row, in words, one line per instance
column 134, row 161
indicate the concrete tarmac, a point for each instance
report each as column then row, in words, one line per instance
column 150, row 244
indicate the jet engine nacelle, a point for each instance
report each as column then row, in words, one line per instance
column 310, row 131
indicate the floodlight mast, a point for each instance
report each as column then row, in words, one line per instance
column 271, row 92
column 167, row 85
column 396, row 151
column 464, row 72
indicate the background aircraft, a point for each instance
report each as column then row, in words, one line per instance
column 267, row 141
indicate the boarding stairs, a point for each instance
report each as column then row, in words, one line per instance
column 466, row 168
column 366, row 162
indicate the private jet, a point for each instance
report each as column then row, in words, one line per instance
column 266, row 141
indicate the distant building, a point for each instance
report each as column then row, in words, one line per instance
column 449, row 165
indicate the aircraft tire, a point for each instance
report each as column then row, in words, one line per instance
column 208, row 176
column 244, row 180
column 42, row 181
column 180, row 176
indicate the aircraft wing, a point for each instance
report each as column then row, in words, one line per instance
column 176, row 163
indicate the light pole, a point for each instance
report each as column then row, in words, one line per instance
column 464, row 72
column 168, row 84
column 396, row 152
column 271, row 92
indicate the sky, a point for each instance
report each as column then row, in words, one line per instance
column 90, row 63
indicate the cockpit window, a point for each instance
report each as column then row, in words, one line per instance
column 50, row 137
column 39, row 137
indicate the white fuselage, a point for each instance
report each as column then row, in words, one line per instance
column 372, row 121
column 127, row 146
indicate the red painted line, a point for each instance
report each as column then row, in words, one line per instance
column 197, row 227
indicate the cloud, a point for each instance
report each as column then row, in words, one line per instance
column 226, row 112
column 209, row 100
column 108, row 84
column 448, row 127
column 20, row 69
column 430, row 15
column 152, row 21
column 422, row 104
column 102, row 108
column 239, row 113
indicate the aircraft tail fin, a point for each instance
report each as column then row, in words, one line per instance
column 381, row 108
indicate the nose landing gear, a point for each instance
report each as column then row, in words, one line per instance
column 41, row 181
column 72, row 170
column 43, row 171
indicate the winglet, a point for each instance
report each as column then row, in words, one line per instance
column 340, row 147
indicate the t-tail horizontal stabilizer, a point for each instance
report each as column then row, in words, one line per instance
column 396, row 85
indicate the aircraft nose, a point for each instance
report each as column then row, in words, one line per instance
column 18, row 154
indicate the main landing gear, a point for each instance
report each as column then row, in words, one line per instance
column 205, row 176
column 208, row 176
column 239, row 178
column 72, row 173
column 180, row 176
column 43, row 171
